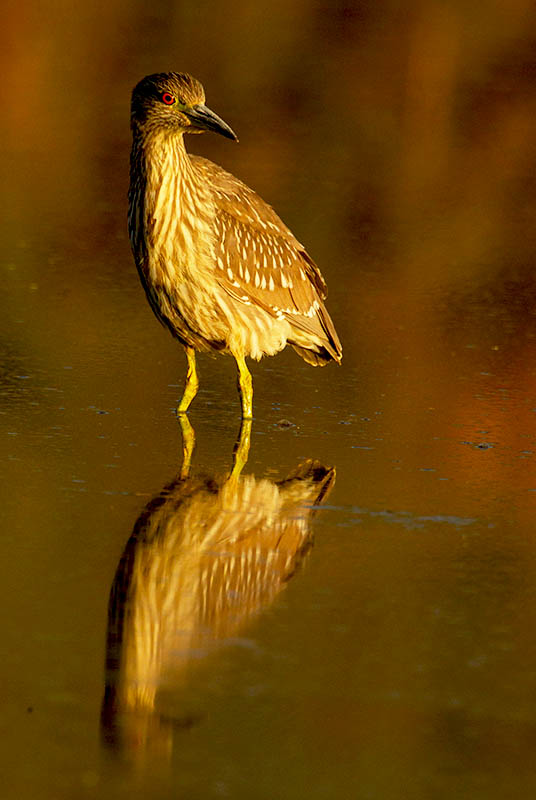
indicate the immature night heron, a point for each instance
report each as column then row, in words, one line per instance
column 220, row 269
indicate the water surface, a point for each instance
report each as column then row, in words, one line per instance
column 391, row 652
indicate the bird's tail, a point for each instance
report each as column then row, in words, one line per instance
column 327, row 346
column 317, row 359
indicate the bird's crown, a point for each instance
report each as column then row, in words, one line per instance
column 185, row 89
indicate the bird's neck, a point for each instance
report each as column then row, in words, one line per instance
column 164, row 186
column 161, row 160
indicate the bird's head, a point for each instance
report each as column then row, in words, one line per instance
column 174, row 102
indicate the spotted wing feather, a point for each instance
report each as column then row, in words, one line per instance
column 260, row 261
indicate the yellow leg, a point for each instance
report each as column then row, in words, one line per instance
column 241, row 450
column 245, row 387
column 188, row 445
column 192, row 382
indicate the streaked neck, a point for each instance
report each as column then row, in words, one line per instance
column 164, row 186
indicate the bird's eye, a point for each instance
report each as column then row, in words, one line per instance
column 167, row 98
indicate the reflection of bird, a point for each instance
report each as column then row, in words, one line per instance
column 204, row 556
column 219, row 267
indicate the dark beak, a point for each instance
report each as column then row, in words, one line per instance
column 206, row 120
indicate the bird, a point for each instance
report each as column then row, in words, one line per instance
column 220, row 269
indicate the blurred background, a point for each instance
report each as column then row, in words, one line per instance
column 398, row 142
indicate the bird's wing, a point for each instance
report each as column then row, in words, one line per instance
column 259, row 260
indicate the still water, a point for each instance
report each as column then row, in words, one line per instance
column 339, row 601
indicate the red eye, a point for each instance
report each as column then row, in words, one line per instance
column 168, row 98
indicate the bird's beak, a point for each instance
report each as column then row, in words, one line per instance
column 206, row 120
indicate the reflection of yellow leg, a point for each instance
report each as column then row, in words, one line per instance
column 192, row 382
column 188, row 444
column 241, row 450
column 245, row 387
